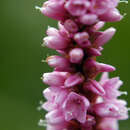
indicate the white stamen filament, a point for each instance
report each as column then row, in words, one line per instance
column 42, row 123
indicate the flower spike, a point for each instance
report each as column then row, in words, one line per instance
column 75, row 100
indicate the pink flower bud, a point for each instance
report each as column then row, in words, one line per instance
column 82, row 39
column 74, row 80
column 98, row 67
column 98, row 25
column 71, row 26
column 76, row 55
column 52, row 31
column 77, row 7
column 58, row 62
column 105, row 37
column 88, row 19
column 55, row 78
column 112, row 15
column 93, row 52
column 56, row 40
column 55, row 43
column 95, row 87
column 53, row 10
column 104, row 67
column 100, row 7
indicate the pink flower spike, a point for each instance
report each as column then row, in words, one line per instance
column 105, row 37
column 76, row 55
column 74, row 99
column 75, row 107
column 74, row 80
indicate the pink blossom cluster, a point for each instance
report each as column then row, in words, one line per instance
column 75, row 100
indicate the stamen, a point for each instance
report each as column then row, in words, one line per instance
column 43, row 45
column 124, row 14
column 41, row 102
column 128, row 108
column 48, row 27
column 43, row 61
column 124, row 1
column 123, row 92
column 42, row 123
column 38, row 8
column 39, row 108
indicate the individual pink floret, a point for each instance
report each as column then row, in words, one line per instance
column 75, row 107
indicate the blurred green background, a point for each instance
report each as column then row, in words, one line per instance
column 21, row 31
